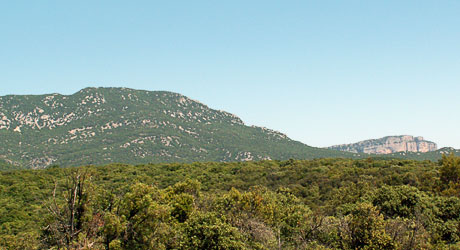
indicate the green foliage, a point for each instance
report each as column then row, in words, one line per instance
column 450, row 170
column 143, row 220
column 400, row 201
column 364, row 228
column 293, row 204
column 8, row 166
column 72, row 224
column 210, row 231
column 105, row 125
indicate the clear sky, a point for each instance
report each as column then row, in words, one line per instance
column 323, row 72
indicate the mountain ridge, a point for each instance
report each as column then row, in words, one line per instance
column 102, row 125
column 96, row 126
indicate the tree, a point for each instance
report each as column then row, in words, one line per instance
column 400, row 201
column 71, row 224
column 142, row 220
column 450, row 169
column 182, row 198
column 364, row 228
column 209, row 231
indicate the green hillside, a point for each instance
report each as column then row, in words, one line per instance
column 104, row 125
column 432, row 156
column 7, row 166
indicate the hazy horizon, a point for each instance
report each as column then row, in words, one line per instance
column 323, row 73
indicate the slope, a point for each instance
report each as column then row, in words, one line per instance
column 102, row 125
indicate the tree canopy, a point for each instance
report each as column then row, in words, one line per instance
column 317, row 204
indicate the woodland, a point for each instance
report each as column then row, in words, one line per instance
column 295, row 204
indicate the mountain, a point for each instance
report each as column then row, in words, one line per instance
column 432, row 155
column 389, row 145
column 4, row 165
column 102, row 125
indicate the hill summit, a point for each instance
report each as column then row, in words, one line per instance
column 389, row 145
column 102, row 125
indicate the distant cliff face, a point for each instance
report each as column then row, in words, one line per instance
column 388, row 145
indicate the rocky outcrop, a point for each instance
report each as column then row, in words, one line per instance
column 388, row 145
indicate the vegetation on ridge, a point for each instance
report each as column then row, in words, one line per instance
column 104, row 125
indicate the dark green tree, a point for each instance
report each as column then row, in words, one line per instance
column 210, row 231
column 450, row 169
column 364, row 228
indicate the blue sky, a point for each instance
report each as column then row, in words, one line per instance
column 323, row 72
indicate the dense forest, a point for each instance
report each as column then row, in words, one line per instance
column 294, row 204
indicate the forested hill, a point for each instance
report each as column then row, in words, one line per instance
column 103, row 125
column 7, row 166
column 432, row 156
